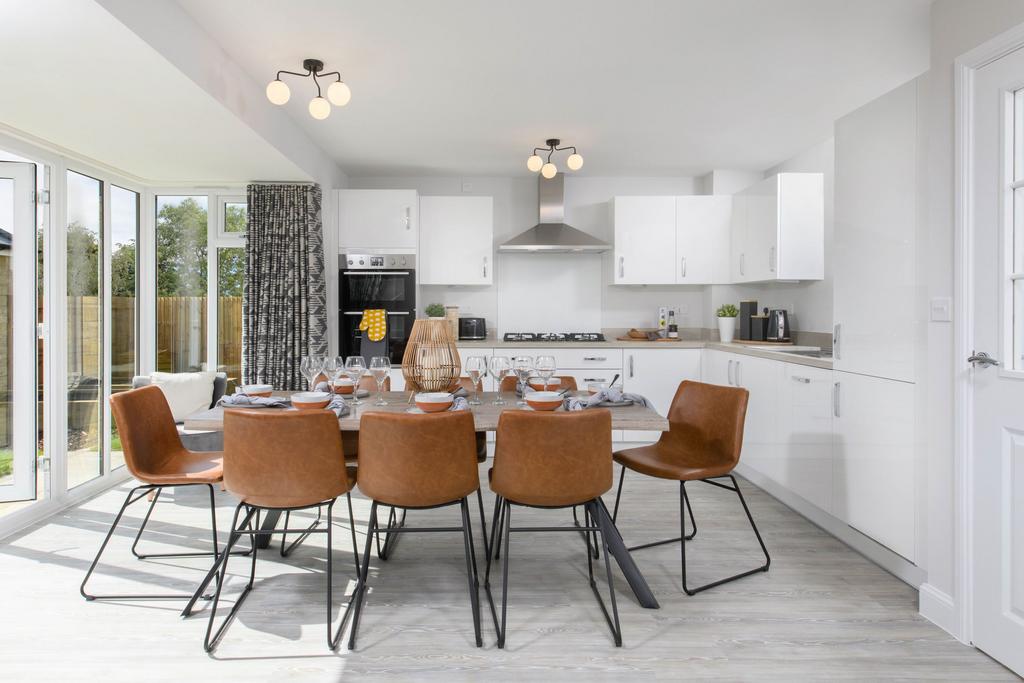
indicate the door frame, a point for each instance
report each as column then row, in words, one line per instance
column 960, row 621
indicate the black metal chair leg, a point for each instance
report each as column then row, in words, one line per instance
column 483, row 521
column 499, row 516
column 390, row 540
column 364, row 575
column 590, row 548
column 352, row 528
column 618, row 494
column 334, row 637
column 212, row 638
column 495, row 538
column 474, row 591
column 287, row 550
column 684, row 506
column 763, row 568
column 507, row 518
column 213, row 526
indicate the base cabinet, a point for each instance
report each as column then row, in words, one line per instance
column 805, row 435
column 874, row 459
column 656, row 374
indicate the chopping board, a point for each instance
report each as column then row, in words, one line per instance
column 638, row 339
column 748, row 342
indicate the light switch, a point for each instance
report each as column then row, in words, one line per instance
column 941, row 309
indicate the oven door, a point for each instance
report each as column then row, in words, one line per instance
column 393, row 290
column 399, row 327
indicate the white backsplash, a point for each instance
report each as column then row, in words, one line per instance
column 539, row 292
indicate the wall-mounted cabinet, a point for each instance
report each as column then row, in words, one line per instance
column 456, row 240
column 671, row 240
column 377, row 219
column 778, row 229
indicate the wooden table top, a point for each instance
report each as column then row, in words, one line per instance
column 485, row 416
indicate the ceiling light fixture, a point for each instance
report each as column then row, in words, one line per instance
column 547, row 169
column 338, row 93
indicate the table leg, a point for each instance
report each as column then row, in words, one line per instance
column 262, row 541
column 618, row 550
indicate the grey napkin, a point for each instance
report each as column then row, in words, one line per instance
column 460, row 393
column 609, row 395
column 460, row 403
column 240, row 399
column 339, row 406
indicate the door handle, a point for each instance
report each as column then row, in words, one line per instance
column 739, row 378
column 682, row 266
column 771, row 259
column 835, row 340
column 728, row 373
column 622, row 270
column 408, row 218
column 980, row 358
column 631, row 365
column 595, row 358
column 802, row 380
column 835, row 399
column 485, row 266
column 742, row 261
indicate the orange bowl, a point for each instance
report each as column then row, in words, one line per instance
column 344, row 386
column 537, row 384
column 434, row 401
column 544, row 400
column 311, row 400
column 262, row 390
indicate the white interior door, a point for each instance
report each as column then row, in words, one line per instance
column 18, row 339
column 997, row 414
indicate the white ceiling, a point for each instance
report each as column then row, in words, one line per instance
column 74, row 76
column 642, row 87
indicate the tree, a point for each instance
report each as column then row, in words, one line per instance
column 181, row 249
column 83, row 261
column 123, row 269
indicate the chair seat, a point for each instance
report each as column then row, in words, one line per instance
column 188, row 468
column 273, row 500
column 678, row 464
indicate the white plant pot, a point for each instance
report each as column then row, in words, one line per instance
column 726, row 329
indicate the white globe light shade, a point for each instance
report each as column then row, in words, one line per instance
column 548, row 170
column 534, row 163
column 339, row 94
column 574, row 162
column 278, row 92
column 319, row 108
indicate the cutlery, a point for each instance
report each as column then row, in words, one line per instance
column 610, row 384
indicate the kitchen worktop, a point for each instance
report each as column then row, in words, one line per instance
column 692, row 343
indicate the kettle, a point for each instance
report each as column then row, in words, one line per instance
column 778, row 325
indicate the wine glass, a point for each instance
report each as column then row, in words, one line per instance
column 500, row 366
column 308, row 368
column 523, row 366
column 330, row 370
column 476, row 368
column 545, row 367
column 380, row 368
column 355, row 368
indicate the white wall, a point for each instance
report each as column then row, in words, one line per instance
column 956, row 28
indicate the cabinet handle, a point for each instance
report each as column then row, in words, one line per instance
column 408, row 218
column 728, row 373
column 485, row 266
column 594, row 379
column 742, row 261
column 622, row 269
column 682, row 266
column 631, row 365
column 739, row 379
column 802, row 380
column 771, row 259
column 835, row 399
column 835, row 340
column 594, row 358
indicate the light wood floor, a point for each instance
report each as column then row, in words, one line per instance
column 822, row 612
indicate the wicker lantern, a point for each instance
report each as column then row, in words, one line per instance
column 431, row 362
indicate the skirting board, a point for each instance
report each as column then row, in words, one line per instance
column 895, row 564
column 938, row 608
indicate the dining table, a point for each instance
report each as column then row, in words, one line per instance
column 485, row 419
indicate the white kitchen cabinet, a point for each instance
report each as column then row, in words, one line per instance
column 805, row 435
column 761, row 378
column 702, row 239
column 778, row 229
column 716, row 367
column 377, row 219
column 456, row 241
column 876, row 308
column 645, row 240
column 874, row 459
column 656, row 374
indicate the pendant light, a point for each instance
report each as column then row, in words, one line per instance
column 338, row 92
column 546, row 167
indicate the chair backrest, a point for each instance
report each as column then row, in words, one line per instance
column 370, row 384
column 553, row 459
column 149, row 437
column 284, row 459
column 707, row 419
column 220, row 385
column 511, row 382
column 417, row 460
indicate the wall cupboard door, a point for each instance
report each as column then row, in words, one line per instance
column 874, row 475
column 378, row 219
column 645, row 240
column 456, row 240
column 702, row 238
column 656, row 374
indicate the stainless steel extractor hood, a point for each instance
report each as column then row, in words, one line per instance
column 552, row 235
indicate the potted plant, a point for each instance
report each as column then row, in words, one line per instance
column 727, row 322
column 435, row 311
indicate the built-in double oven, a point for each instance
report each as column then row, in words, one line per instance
column 371, row 281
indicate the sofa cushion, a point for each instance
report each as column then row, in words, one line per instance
column 186, row 392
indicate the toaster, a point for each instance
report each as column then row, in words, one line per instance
column 472, row 328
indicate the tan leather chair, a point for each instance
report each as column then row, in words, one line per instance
column 415, row 462
column 703, row 443
column 552, row 460
column 511, row 383
column 350, row 440
column 154, row 455
column 289, row 460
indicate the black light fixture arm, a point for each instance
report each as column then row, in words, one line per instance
column 552, row 147
column 314, row 69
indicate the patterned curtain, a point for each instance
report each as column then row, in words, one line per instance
column 284, row 299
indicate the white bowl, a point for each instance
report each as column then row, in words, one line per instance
column 537, row 384
column 594, row 387
column 344, row 385
column 306, row 400
column 434, row 401
column 544, row 400
column 257, row 389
